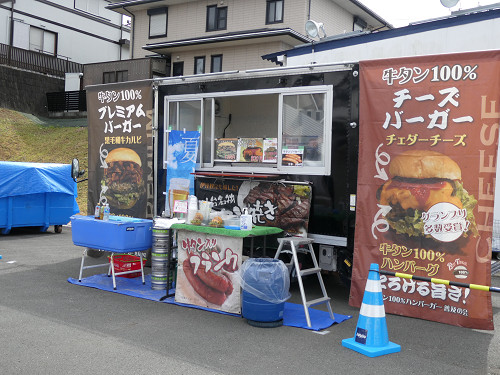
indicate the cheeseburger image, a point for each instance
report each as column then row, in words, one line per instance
column 226, row 151
column 421, row 179
column 123, row 178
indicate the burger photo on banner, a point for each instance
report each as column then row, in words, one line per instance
column 122, row 180
column 428, row 139
column 425, row 184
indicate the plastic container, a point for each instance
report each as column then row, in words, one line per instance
column 36, row 195
column 232, row 223
column 118, row 234
column 245, row 220
column 266, row 287
column 125, row 262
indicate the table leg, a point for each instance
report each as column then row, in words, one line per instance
column 142, row 269
column 113, row 270
column 81, row 266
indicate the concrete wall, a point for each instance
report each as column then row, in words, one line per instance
column 25, row 91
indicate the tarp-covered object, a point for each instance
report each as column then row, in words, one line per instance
column 36, row 195
column 17, row 178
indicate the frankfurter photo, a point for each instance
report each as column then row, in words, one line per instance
column 204, row 291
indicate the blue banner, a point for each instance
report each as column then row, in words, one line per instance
column 182, row 152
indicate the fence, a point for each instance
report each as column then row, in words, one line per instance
column 37, row 61
column 67, row 101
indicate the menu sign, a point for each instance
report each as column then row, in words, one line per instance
column 206, row 271
column 120, row 148
column 427, row 163
column 286, row 206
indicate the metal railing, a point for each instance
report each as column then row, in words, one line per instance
column 67, row 101
column 37, row 61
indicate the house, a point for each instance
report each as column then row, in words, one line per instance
column 200, row 36
column 80, row 31
column 43, row 46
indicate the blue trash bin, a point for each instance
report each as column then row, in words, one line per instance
column 266, row 287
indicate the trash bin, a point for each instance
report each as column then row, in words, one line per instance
column 36, row 195
column 266, row 287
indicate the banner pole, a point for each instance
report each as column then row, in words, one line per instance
column 442, row 281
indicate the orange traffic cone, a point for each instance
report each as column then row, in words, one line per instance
column 371, row 337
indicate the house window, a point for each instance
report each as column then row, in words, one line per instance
column 274, row 11
column 115, row 76
column 122, row 76
column 178, row 68
column 216, row 63
column 108, row 77
column 43, row 41
column 158, row 18
column 199, row 65
column 216, row 18
column 89, row 6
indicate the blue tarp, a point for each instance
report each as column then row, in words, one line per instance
column 18, row 178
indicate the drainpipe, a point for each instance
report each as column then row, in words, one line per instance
column 132, row 38
column 11, row 37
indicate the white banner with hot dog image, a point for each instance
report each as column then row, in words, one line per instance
column 205, row 271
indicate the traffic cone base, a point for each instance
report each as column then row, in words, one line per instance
column 371, row 337
column 369, row 351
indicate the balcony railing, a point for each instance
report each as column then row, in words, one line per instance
column 67, row 101
column 37, row 61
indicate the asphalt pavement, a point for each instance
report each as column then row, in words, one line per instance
column 49, row 326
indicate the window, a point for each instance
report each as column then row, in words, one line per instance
column 216, row 63
column 178, row 68
column 158, row 18
column 43, row 41
column 89, row 6
column 216, row 18
column 274, row 11
column 122, row 76
column 115, row 76
column 289, row 125
column 199, row 65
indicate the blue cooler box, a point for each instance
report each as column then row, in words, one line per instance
column 119, row 234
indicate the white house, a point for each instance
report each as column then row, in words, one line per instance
column 82, row 31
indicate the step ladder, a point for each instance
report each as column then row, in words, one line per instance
column 304, row 245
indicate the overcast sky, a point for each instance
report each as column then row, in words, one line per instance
column 402, row 12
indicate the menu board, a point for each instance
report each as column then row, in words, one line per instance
column 250, row 150
column 292, row 157
column 270, row 150
column 226, row 149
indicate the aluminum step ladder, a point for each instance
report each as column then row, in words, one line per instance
column 304, row 245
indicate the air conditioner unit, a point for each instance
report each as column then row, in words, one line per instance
column 124, row 42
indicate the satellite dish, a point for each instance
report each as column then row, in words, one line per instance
column 449, row 3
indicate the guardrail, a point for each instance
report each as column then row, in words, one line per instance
column 37, row 61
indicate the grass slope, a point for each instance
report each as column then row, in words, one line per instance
column 24, row 140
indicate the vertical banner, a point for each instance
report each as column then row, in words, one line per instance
column 182, row 151
column 206, row 271
column 427, row 163
column 120, row 148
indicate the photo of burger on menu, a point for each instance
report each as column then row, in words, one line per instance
column 123, row 178
column 226, row 149
column 425, row 197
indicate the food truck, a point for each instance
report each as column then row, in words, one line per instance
column 285, row 145
column 282, row 142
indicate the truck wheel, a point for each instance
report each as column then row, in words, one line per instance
column 57, row 228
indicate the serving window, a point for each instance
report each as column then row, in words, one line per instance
column 262, row 131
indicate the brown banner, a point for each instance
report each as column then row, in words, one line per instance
column 427, row 162
column 120, row 148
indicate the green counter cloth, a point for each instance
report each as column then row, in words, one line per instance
column 256, row 231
